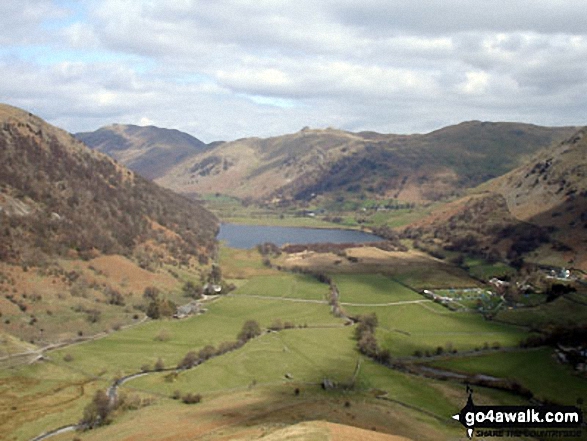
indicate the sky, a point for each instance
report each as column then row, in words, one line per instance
column 227, row 69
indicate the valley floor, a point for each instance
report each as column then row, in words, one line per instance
column 305, row 379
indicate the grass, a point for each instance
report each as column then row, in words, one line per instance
column 399, row 218
column 562, row 311
column 309, row 355
column 481, row 269
column 411, row 268
column 404, row 329
column 268, row 411
column 434, row 276
column 536, row 370
column 126, row 351
column 273, row 220
column 41, row 396
column 12, row 345
column 232, row 210
column 242, row 264
column 55, row 309
column 285, row 285
column 247, row 389
column 372, row 288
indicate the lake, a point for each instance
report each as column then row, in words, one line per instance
column 249, row 236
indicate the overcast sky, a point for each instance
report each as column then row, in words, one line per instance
column 225, row 69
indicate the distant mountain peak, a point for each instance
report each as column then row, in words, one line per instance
column 148, row 150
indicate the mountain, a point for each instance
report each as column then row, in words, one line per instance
column 537, row 211
column 551, row 191
column 333, row 163
column 58, row 197
column 555, row 180
column 150, row 151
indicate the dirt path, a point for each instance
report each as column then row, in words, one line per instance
column 56, row 432
column 289, row 299
column 402, row 302
column 38, row 354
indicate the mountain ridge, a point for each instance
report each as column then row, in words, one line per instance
column 81, row 199
column 537, row 211
column 147, row 150
column 311, row 162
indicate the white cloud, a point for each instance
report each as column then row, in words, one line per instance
column 20, row 20
column 476, row 83
column 233, row 68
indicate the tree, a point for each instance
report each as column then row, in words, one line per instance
column 167, row 308
column 115, row 297
column 188, row 361
column 191, row 398
column 368, row 344
column 159, row 365
column 206, row 353
column 160, row 308
column 383, row 356
column 151, row 293
column 366, row 323
column 556, row 290
column 190, row 289
column 250, row 329
column 215, row 274
column 277, row 325
column 96, row 413
column 92, row 315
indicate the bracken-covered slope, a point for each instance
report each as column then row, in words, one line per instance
column 415, row 168
column 551, row 191
column 58, row 197
column 556, row 179
column 537, row 211
column 150, row 151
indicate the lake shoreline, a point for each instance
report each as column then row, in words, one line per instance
column 246, row 236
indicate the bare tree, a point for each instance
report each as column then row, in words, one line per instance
column 250, row 329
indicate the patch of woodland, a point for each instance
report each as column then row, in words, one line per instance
column 338, row 248
column 83, row 203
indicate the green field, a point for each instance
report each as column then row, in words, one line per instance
column 285, row 285
column 372, row 288
column 232, row 210
column 420, row 277
column 535, row 369
column 404, row 329
column 481, row 269
column 125, row 352
column 562, row 311
column 309, row 355
column 272, row 365
column 353, row 213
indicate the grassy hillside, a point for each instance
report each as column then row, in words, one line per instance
column 271, row 384
column 81, row 236
column 333, row 163
column 537, row 212
column 551, row 191
column 553, row 383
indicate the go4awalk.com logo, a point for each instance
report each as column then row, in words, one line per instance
column 533, row 421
